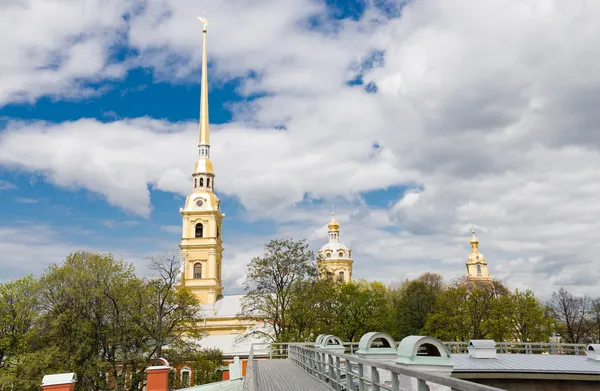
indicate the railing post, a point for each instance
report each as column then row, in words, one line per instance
column 395, row 382
column 331, row 372
column 338, row 372
column 320, row 367
column 361, row 377
column 422, row 385
column 375, row 379
column 348, row 368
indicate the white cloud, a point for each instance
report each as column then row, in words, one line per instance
column 25, row 200
column 55, row 47
column 487, row 108
column 5, row 185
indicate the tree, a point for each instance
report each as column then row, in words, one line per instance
column 18, row 312
column 529, row 319
column 450, row 320
column 413, row 302
column 170, row 312
column 571, row 313
column 479, row 305
column 361, row 306
column 499, row 324
column 95, row 316
column 595, row 315
column 271, row 280
column 312, row 308
column 205, row 364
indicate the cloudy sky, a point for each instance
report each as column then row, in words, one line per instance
column 415, row 118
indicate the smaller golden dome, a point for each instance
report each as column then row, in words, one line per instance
column 333, row 225
column 474, row 239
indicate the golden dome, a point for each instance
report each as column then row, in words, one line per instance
column 333, row 225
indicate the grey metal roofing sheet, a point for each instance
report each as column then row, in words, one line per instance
column 539, row 363
column 228, row 385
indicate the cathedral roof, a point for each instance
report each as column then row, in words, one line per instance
column 228, row 306
column 334, row 246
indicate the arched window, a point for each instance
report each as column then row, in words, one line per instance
column 195, row 183
column 185, row 376
column 199, row 230
column 478, row 270
column 341, row 254
column 198, row 270
column 341, row 276
column 328, row 255
column 218, row 232
column 207, row 182
column 201, row 182
column 330, row 275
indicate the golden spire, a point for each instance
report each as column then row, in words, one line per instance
column 474, row 240
column 203, row 140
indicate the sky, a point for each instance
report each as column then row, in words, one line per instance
column 416, row 119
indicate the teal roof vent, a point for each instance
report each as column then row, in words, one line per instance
column 331, row 343
column 377, row 345
column 421, row 350
column 482, row 348
column 593, row 351
column 319, row 338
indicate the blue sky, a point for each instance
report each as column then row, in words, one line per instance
column 417, row 119
column 83, row 218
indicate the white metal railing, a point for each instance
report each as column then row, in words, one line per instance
column 251, row 381
column 338, row 370
column 525, row 348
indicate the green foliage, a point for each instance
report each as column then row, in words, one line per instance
column 18, row 312
column 450, row 319
column 466, row 312
column 360, row 307
column 412, row 303
column 272, row 280
column 93, row 316
column 205, row 364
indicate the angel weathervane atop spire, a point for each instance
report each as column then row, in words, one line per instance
column 204, row 21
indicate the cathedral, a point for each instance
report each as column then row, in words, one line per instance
column 202, row 250
column 202, row 246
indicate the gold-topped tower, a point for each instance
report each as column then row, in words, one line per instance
column 335, row 259
column 477, row 269
column 201, row 244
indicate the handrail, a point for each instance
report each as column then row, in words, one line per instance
column 251, row 381
column 525, row 347
column 320, row 363
column 332, row 367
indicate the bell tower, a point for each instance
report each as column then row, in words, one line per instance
column 335, row 259
column 201, row 243
column 477, row 269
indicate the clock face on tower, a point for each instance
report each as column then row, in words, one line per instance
column 200, row 202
